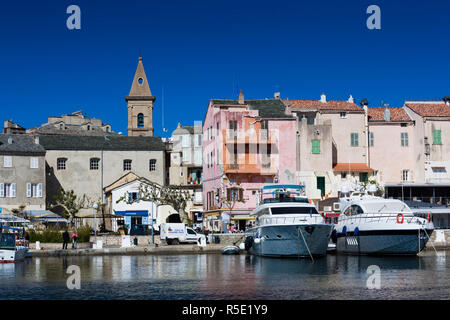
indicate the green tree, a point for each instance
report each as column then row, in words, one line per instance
column 174, row 196
column 70, row 203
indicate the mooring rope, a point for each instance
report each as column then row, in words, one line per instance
column 299, row 228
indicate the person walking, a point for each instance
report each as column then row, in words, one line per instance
column 66, row 239
column 74, row 240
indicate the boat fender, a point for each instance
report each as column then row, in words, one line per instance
column 344, row 230
column 356, row 231
column 429, row 217
column 248, row 242
column 400, row 218
column 257, row 240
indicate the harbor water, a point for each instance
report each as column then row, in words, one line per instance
column 215, row 276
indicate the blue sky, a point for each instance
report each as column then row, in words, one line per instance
column 198, row 50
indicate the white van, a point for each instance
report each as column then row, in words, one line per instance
column 175, row 233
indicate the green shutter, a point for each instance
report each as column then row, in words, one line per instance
column 437, row 137
column 354, row 139
column 316, row 146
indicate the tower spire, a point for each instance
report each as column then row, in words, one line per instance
column 140, row 104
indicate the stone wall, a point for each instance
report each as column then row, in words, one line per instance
column 116, row 241
column 57, row 246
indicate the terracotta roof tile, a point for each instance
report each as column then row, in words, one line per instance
column 397, row 114
column 437, row 109
column 361, row 167
column 317, row 105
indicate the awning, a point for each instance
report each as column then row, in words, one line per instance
column 9, row 218
column 331, row 214
column 243, row 217
column 44, row 216
column 211, row 214
column 355, row 167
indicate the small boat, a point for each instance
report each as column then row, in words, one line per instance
column 231, row 250
column 12, row 248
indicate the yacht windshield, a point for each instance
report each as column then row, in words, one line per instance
column 294, row 210
column 386, row 207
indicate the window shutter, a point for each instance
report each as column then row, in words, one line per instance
column 13, row 190
column 229, row 194
column 39, row 192
column 7, row 162
column 315, row 146
column 241, row 194
column 2, row 190
column 28, row 190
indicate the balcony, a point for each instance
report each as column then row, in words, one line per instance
column 266, row 169
column 250, row 137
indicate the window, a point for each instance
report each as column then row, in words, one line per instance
column 34, row 190
column 133, row 196
column 344, row 175
column 185, row 140
column 294, row 210
column 235, row 194
column 61, row 163
column 190, row 231
column 353, row 210
column 354, row 139
column 34, row 163
column 7, row 190
column 152, row 165
column 232, row 129
column 140, row 120
column 88, row 127
column 7, row 161
column 343, row 115
column 264, row 129
column 405, row 175
column 363, row 176
column 316, row 146
column 198, row 140
column 186, row 155
column 94, row 164
column 404, row 139
column 126, row 165
column 371, row 139
column 437, row 137
column 198, row 157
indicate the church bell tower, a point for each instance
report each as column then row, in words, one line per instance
column 140, row 105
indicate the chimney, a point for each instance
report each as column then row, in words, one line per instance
column 241, row 97
column 387, row 115
column 323, row 98
column 36, row 140
column 351, row 100
column 277, row 95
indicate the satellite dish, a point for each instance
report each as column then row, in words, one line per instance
column 372, row 188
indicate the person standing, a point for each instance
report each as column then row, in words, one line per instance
column 66, row 239
column 74, row 240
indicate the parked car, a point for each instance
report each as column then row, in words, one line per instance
column 175, row 233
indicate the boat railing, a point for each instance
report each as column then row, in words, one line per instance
column 394, row 218
column 291, row 220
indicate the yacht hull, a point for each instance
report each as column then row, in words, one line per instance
column 383, row 242
column 14, row 255
column 290, row 240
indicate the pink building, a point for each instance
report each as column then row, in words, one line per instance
column 247, row 144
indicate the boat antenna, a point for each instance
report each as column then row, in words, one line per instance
column 162, row 101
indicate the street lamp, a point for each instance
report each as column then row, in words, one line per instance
column 95, row 206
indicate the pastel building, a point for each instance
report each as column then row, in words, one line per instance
column 246, row 145
column 331, row 145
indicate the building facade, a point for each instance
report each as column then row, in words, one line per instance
column 86, row 164
column 246, row 145
column 331, row 148
column 76, row 123
column 22, row 173
column 186, row 167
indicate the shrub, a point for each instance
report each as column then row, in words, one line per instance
column 84, row 233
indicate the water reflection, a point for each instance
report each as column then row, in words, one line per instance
column 211, row 276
